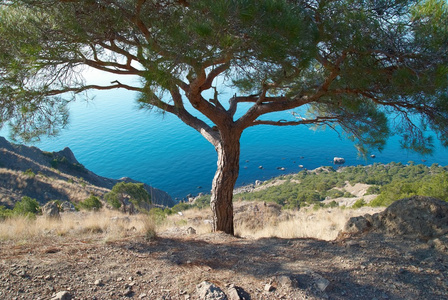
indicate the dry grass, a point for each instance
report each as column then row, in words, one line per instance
column 323, row 224
column 253, row 220
column 105, row 225
column 262, row 222
column 199, row 219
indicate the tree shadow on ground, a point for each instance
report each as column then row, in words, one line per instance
column 372, row 267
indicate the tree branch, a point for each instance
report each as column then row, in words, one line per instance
column 77, row 90
column 317, row 120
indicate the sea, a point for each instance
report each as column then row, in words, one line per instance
column 112, row 137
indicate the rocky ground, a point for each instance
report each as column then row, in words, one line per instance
column 367, row 263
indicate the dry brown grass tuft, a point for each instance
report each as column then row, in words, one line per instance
column 104, row 225
column 199, row 219
column 258, row 220
column 323, row 224
column 252, row 220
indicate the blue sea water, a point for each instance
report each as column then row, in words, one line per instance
column 113, row 138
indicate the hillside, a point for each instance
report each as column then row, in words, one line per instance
column 46, row 176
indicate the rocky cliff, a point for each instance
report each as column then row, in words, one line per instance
column 45, row 176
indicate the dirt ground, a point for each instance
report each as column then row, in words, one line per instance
column 372, row 266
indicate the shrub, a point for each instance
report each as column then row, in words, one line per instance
column 157, row 214
column 334, row 193
column 91, row 203
column 149, row 228
column 26, row 207
column 359, row 203
column 180, row 207
column 202, row 201
column 373, row 190
column 29, row 173
column 4, row 213
column 332, row 204
column 133, row 192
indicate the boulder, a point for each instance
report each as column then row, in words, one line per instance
column 191, row 231
column 338, row 160
column 67, row 206
column 51, row 210
column 415, row 217
column 208, row 291
column 418, row 216
column 357, row 224
column 64, row 295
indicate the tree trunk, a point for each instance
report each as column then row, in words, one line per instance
column 224, row 181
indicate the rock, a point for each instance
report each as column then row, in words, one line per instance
column 191, row 230
column 258, row 182
column 338, row 160
column 357, row 224
column 51, row 210
column 208, row 291
column 64, row 295
column 98, row 282
column 232, row 293
column 67, row 206
column 417, row 217
column 286, row 282
column 322, row 284
column 440, row 244
column 68, row 154
column 269, row 287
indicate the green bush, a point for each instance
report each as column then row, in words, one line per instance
column 29, row 173
column 180, row 207
column 5, row 213
column 359, row 203
column 133, row 192
column 332, row 204
column 373, row 190
column 202, row 201
column 157, row 214
column 333, row 193
column 26, row 207
column 91, row 203
column 391, row 182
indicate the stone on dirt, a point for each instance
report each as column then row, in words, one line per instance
column 64, row 295
column 208, row 291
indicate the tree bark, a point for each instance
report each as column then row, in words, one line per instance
column 221, row 203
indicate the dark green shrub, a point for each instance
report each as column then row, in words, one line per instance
column 157, row 214
column 26, row 207
column 202, row 201
column 29, row 173
column 333, row 193
column 359, row 203
column 373, row 190
column 5, row 213
column 348, row 195
column 91, row 203
column 332, row 204
column 180, row 207
column 132, row 192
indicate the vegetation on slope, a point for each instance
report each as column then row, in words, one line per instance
column 392, row 182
